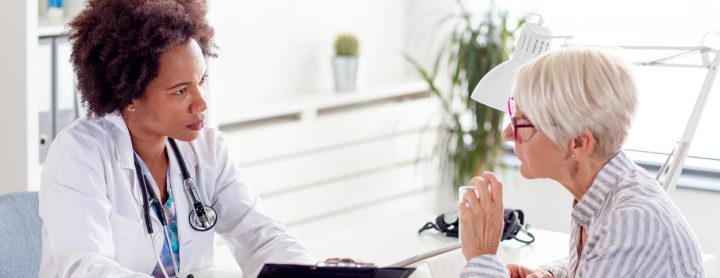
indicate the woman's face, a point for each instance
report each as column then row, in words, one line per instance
column 539, row 156
column 173, row 103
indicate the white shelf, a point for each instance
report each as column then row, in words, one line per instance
column 309, row 105
column 49, row 27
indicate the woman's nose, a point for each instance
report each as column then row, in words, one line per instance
column 507, row 133
column 199, row 105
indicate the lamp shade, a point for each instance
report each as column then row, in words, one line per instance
column 495, row 87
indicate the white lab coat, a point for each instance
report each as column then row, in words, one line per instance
column 91, row 207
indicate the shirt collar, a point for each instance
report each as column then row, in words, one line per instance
column 124, row 150
column 123, row 145
column 588, row 207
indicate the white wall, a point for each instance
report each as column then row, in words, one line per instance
column 278, row 47
column 547, row 205
column 18, row 162
column 424, row 34
column 667, row 22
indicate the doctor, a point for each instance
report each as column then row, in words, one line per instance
column 139, row 188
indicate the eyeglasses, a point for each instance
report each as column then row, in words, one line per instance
column 515, row 126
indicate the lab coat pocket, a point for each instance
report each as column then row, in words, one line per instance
column 124, row 227
column 198, row 250
column 131, row 246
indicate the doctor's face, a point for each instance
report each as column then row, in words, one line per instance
column 173, row 104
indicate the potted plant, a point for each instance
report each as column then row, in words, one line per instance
column 345, row 62
column 471, row 133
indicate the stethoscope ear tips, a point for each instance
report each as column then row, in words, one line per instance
column 206, row 220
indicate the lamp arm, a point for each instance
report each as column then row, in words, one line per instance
column 681, row 150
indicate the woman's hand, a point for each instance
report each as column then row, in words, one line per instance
column 517, row 271
column 481, row 217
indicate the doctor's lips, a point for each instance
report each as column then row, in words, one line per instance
column 197, row 125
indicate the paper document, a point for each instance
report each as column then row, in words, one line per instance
column 417, row 258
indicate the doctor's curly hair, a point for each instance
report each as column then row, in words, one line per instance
column 117, row 46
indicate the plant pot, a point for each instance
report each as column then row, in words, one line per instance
column 345, row 70
column 72, row 8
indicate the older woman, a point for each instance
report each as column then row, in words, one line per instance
column 571, row 112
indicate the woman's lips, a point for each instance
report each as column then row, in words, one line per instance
column 197, row 125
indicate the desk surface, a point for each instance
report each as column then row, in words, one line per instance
column 375, row 235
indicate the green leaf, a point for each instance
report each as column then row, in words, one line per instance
column 470, row 52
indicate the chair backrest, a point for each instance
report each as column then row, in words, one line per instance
column 20, row 235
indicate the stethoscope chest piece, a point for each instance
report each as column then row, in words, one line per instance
column 203, row 222
column 202, row 217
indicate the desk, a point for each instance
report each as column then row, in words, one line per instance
column 386, row 236
column 217, row 274
column 389, row 238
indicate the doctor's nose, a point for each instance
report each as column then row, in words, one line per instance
column 199, row 104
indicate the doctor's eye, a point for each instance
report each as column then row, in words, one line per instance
column 181, row 91
column 204, row 78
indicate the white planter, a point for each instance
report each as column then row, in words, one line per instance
column 345, row 69
column 72, row 8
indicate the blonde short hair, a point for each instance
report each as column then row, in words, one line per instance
column 568, row 91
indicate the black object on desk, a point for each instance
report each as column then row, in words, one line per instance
column 302, row 271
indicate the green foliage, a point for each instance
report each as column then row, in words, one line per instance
column 346, row 44
column 471, row 137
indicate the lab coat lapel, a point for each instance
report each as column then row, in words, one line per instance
column 124, row 158
column 124, row 154
column 186, row 233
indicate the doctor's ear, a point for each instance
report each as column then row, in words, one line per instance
column 130, row 107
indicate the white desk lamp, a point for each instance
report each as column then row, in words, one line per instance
column 495, row 87
column 670, row 170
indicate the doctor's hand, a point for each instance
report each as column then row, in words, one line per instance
column 518, row 271
column 481, row 217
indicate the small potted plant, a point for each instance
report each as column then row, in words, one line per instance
column 345, row 62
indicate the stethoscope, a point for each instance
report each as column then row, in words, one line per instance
column 201, row 218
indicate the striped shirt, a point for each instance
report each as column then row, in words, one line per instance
column 632, row 229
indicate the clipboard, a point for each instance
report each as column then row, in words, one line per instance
column 302, row 271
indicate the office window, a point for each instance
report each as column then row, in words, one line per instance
column 667, row 95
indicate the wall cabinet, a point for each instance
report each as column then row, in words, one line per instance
column 330, row 154
column 58, row 100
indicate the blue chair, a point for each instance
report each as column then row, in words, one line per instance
column 20, row 235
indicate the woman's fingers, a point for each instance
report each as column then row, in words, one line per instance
column 481, row 186
column 471, row 199
column 481, row 220
column 517, row 271
column 489, row 190
column 465, row 215
column 540, row 273
column 496, row 187
column 477, row 181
